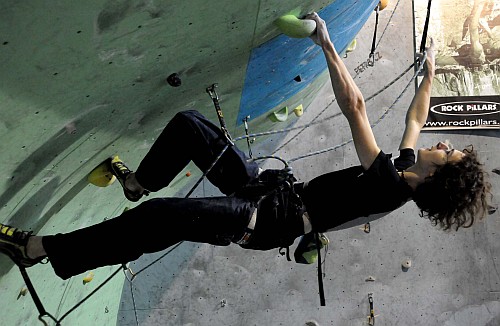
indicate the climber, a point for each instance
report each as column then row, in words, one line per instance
column 448, row 185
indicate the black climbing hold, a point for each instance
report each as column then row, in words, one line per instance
column 298, row 79
column 174, row 80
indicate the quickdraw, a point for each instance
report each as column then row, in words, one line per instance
column 426, row 27
column 371, row 58
column 215, row 98
column 249, row 141
column 371, row 318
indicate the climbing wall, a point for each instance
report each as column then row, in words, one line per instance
column 83, row 81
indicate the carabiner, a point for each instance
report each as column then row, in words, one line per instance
column 212, row 93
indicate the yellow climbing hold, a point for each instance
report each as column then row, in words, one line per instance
column 101, row 176
column 311, row 256
column 88, row 278
column 352, row 46
column 299, row 110
column 280, row 115
column 293, row 26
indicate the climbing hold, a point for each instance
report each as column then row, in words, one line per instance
column 188, row 173
column 101, row 176
column 496, row 170
column 406, row 263
column 280, row 115
column 311, row 323
column 299, row 110
column 307, row 251
column 352, row 46
column 370, row 279
column 174, row 80
column 22, row 292
column 292, row 26
column 88, row 278
column 366, row 228
column 382, row 4
column 70, row 128
column 298, row 79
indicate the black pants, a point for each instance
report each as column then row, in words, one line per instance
column 159, row 223
column 189, row 136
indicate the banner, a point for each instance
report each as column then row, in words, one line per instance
column 466, row 87
column 464, row 112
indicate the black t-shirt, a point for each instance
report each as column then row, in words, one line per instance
column 338, row 197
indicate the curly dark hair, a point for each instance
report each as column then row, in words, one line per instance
column 456, row 194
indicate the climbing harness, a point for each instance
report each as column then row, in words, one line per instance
column 278, row 182
column 277, row 185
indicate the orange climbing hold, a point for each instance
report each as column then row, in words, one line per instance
column 382, row 4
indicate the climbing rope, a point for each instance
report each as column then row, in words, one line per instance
column 387, row 25
column 41, row 309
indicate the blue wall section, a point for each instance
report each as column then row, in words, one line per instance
column 274, row 65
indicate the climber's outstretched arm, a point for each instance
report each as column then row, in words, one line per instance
column 419, row 107
column 349, row 97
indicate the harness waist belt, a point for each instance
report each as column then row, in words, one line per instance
column 249, row 229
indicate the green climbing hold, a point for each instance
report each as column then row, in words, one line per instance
column 280, row 115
